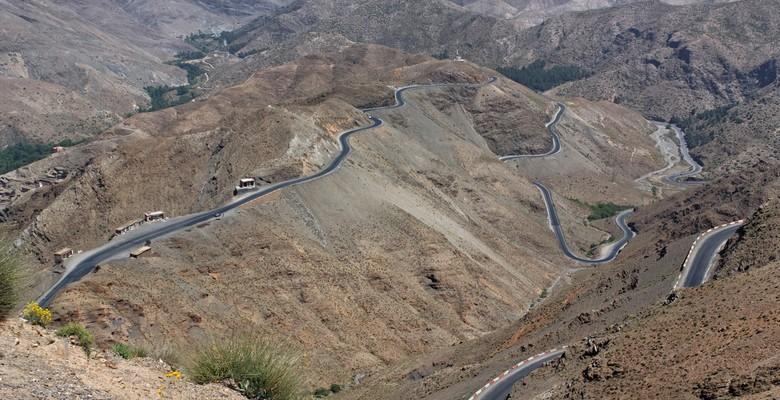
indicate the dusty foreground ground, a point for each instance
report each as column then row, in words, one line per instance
column 36, row 364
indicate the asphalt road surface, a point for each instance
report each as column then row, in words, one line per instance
column 552, row 215
column 499, row 388
column 699, row 262
column 81, row 265
column 556, row 139
column 555, row 225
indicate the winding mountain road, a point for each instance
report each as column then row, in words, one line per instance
column 499, row 387
column 555, row 225
column 681, row 178
column 615, row 247
column 556, row 139
column 80, row 265
column 696, row 269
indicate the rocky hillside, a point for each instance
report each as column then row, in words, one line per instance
column 659, row 58
column 662, row 59
column 527, row 13
column 326, row 258
column 718, row 341
column 70, row 69
column 732, row 138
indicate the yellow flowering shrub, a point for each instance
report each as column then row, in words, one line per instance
column 36, row 314
column 173, row 374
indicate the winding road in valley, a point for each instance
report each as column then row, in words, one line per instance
column 501, row 386
column 682, row 178
column 555, row 224
column 612, row 249
column 695, row 272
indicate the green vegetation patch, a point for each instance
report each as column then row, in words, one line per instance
column 10, row 280
column 128, row 351
column 602, row 210
column 697, row 127
column 605, row 210
column 250, row 365
column 21, row 154
column 167, row 96
column 189, row 55
column 83, row 336
column 539, row 78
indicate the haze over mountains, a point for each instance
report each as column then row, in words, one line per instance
column 423, row 266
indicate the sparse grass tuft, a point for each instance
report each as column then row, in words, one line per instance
column 128, row 351
column 10, row 280
column 252, row 366
column 82, row 334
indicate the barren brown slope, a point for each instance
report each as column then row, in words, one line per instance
column 661, row 59
column 62, row 76
column 410, row 223
column 423, row 217
column 715, row 342
column 70, row 68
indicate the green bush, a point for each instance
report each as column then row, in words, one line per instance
column 252, row 366
column 128, row 351
column 167, row 96
column 85, row 338
column 189, row 55
column 10, row 280
column 335, row 388
column 605, row 210
column 321, row 392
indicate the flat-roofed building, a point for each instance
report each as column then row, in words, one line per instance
column 127, row 227
column 154, row 216
column 244, row 185
column 140, row 251
column 62, row 254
